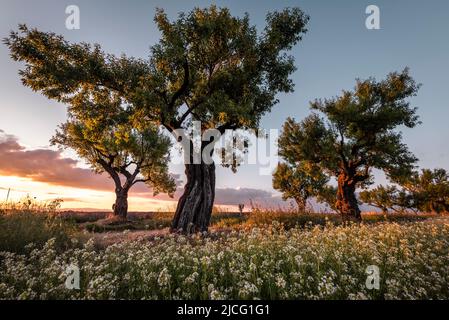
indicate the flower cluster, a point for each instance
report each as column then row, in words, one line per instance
column 261, row 263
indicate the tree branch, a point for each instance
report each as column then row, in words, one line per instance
column 110, row 170
column 227, row 126
column 183, row 87
column 189, row 111
column 340, row 150
column 142, row 180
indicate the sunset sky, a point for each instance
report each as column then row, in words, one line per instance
column 337, row 49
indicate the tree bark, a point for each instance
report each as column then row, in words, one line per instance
column 195, row 205
column 346, row 200
column 120, row 206
column 301, row 204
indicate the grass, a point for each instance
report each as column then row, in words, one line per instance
column 160, row 220
column 21, row 226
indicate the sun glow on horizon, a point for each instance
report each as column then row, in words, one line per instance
column 74, row 198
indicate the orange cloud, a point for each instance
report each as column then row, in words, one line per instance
column 48, row 166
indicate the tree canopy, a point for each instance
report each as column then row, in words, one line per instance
column 427, row 191
column 216, row 67
column 208, row 65
column 349, row 135
column 299, row 182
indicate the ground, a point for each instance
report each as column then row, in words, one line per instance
column 262, row 255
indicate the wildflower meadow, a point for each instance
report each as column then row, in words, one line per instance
column 268, row 262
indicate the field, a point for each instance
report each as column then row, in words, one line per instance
column 262, row 255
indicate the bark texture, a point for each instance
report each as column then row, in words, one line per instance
column 301, row 204
column 120, row 206
column 346, row 200
column 195, row 205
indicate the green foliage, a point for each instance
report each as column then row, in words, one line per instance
column 112, row 144
column 328, row 195
column 387, row 198
column 299, row 182
column 380, row 197
column 104, row 128
column 219, row 67
column 425, row 192
column 208, row 66
column 66, row 72
column 429, row 190
column 358, row 132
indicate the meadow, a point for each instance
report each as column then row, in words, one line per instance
column 258, row 255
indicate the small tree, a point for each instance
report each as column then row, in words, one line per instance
column 357, row 135
column 429, row 190
column 108, row 140
column 385, row 198
column 328, row 196
column 299, row 181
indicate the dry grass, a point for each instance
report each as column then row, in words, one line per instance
column 30, row 222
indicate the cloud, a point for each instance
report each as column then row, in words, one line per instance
column 49, row 166
column 242, row 195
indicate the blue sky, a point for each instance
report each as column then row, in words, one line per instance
column 337, row 49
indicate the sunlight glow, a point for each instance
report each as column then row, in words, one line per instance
column 75, row 198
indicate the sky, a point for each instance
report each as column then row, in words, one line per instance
column 337, row 49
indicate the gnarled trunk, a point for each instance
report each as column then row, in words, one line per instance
column 301, row 204
column 120, row 206
column 195, row 205
column 346, row 199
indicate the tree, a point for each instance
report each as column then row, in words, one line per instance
column 208, row 66
column 104, row 135
column 328, row 196
column 299, row 181
column 427, row 191
column 430, row 190
column 384, row 198
column 224, row 75
column 357, row 134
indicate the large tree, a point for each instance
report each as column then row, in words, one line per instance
column 212, row 67
column 358, row 133
column 208, row 66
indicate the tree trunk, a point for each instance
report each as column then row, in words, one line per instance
column 120, row 206
column 301, row 204
column 346, row 199
column 195, row 205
